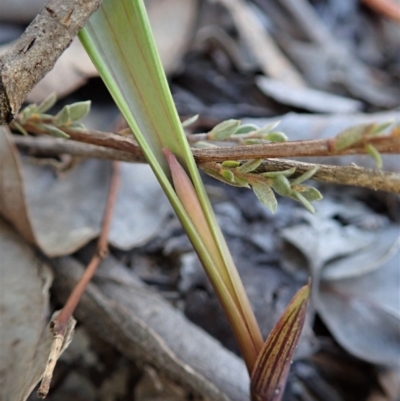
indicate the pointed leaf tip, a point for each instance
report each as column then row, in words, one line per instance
column 272, row 367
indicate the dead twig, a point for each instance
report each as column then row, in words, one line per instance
column 37, row 50
column 61, row 322
column 311, row 148
column 345, row 175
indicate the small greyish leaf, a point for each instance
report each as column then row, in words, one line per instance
column 79, row 110
column 230, row 164
column 310, row 193
column 351, row 136
column 265, row 194
column 47, row 103
column 54, row 131
column 236, row 183
column 276, row 136
column 268, row 128
column 299, row 197
column 245, row 129
column 224, row 130
column 373, row 152
column 77, row 126
column 249, row 166
column 286, row 173
column 228, row 175
column 20, row 128
column 379, row 128
column 190, row 121
column 306, row 176
column 204, row 145
column 282, row 185
column 252, row 141
column 241, row 182
column 63, row 117
column 27, row 112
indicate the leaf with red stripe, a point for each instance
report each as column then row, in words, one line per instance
column 272, row 367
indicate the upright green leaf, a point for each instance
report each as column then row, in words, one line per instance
column 119, row 41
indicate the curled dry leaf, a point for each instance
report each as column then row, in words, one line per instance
column 357, row 280
column 25, row 340
column 363, row 312
column 272, row 367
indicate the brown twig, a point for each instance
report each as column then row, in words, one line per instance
column 309, row 148
column 61, row 325
column 37, row 50
column 60, row 322
column 345, row 175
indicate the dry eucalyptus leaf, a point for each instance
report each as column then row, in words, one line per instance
column 270, row 58
column 12, row 197
column 141, row 207
column 25, row 340
column 66, row 210
column 71, row 212
column 325, row 240
column 363, row 313
column 60, row 213
column 172, row 21
column 386, row 243
column 305, row 98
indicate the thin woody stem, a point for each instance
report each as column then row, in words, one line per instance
column 345, row 175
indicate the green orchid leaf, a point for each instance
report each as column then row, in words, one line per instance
column 270, row 373
column 119, row 40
